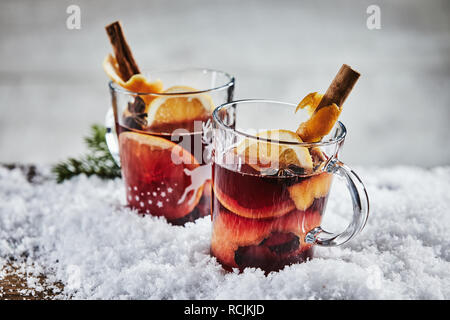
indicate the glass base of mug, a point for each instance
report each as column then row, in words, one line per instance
column 270, row 265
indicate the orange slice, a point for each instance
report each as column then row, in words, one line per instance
column 231, row 231
column 258, row 209
column 310, row 102
column 151, row 163
column 262, row 154
column 179, row 108
column 304, row 193
column 137, row 83
column 320, row 122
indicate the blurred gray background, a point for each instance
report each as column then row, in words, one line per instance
column 52, row 86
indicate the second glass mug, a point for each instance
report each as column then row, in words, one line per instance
column 264, row 216
column 166, row 167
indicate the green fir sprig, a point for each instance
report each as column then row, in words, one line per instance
column 98, row 161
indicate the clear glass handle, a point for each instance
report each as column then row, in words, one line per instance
column 360, row 201
column 111, row 136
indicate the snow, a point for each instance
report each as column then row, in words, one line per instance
column 79, row 233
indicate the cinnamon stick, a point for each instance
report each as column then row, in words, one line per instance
column 321, row 123
column 127, row 65
column 340, row 88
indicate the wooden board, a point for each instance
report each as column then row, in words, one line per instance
column 14, row 285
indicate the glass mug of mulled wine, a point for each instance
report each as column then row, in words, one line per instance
column 158, row 140
column 269, row 189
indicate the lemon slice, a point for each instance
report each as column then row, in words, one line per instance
column 179, row 108
column 264, row 154
column 137, row 83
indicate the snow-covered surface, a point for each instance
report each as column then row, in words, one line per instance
column 79, row 233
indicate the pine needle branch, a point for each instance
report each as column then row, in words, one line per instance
column 98, row 161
